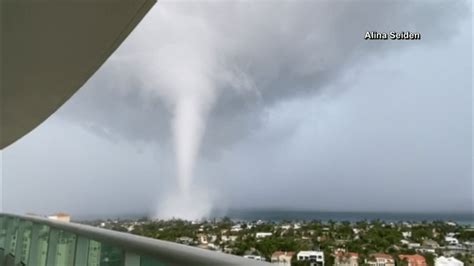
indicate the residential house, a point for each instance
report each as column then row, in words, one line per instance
column 60, row 216
column 202, row 238
column 282, row 258
column 316, row 258
column 405, row 242
column 262, row 234
column 430, row 243
column 413, row 260
column 425, row 249
column 451, row 240
column 226, row 238
column 448, row 261
column 286, row 226
column 413, row 245
column 407, row 224
column 346, row 259
column 380, row 259
column 236, row 228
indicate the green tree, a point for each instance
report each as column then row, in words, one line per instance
column 429, row 259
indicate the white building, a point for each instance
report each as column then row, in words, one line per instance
column 425, row 249
column 380, row 259
column 236, row 228
column 254, row 257
column 404, row 242
column 60, row 216
column 263, row 234
column 406, row 234
column 202, row 238
column 414, row 245
column 286, row 226
column 450, row 261
column 212, row 246
column 282, row 258
column 226, row 238
column 315, row 257
column 406, row 224
column 451, row 240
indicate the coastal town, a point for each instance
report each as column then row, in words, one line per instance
column 341, row 243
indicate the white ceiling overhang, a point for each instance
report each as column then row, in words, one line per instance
column 50, row 48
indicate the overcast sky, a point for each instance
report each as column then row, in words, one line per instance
column 297, row 110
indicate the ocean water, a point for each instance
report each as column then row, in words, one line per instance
column 299, row 215
column 292, row 215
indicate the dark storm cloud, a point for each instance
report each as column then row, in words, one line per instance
column 267, row 53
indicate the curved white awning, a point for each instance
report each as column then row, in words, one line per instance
column 50, row 48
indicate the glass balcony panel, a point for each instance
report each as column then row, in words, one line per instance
column 3, row 232
column 82, row 251
column 94, row 253
column 65, row 249
column 132, row 259
column 111, row 256
column 104, row 255
column 24, row 242
column 39, row 245
column 12, row 235
column 10, row 241
column 52, row 247
column 147, row 261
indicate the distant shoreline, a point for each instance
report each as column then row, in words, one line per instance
column 465, row 218
column 352, row 216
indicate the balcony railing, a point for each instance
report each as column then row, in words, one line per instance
column 31, row 240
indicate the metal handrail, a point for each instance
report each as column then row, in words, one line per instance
column 167, row 252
